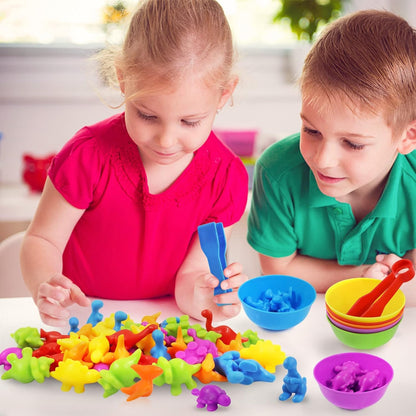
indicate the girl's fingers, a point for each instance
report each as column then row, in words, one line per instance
column 229, row 297
column 231, row 310
column 58, row 294
column 233, row 269
column 234, row 282
column 78, row 296
column 52, row 311
column 49, row 320
column 63, row 290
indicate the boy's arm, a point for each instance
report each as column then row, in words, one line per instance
column 411, row 255
column 409, row 288
column 321, row 274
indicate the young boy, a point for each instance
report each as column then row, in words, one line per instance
column 338, row 200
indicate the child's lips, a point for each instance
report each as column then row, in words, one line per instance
column 165, row 154
column 328, row 179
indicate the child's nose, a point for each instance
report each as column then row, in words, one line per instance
column 326, row 155
column 166, row 138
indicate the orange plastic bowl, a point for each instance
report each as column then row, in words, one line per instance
column 342, row 295
column 353, row 324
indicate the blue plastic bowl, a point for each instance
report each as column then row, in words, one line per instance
column 277, row 321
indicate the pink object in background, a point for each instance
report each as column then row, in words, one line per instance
column 241, row 142
column 35, row 171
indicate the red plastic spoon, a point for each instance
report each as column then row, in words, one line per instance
column 374, row 302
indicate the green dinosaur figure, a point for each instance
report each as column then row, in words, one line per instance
column 175, row 373
column 202, row 333
column 252, row 338
column 173, row 323
column 28, row 368
column 27, row 337
column 120, row 374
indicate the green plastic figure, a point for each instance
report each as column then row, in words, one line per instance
column 120, row 374
column 175, row 373
column 28, row 368
column 27, row 337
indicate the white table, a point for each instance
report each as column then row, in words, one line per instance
column 17, row 202
column 308, row 342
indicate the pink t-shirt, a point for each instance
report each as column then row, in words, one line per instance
column 129, row 244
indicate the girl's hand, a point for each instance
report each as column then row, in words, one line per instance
column 54, row 296
column 204, row 292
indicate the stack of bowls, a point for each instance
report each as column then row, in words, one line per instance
column 357, row 331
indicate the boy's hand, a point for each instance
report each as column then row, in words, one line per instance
column 54, row 296
column 382, row 267
column 204, row 289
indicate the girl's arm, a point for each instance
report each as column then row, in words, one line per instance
column 41, row 256
column 194, row 288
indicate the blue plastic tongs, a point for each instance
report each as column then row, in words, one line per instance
column 214, row 244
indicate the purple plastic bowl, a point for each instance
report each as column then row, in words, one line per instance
column 324, row 371
column 361, row 330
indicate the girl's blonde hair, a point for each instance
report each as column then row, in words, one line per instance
column 167, row 39
column 368, row 59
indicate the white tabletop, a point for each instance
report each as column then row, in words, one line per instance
column 17, row 202
column 308, row 342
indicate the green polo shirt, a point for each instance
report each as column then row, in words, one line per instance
column 289, row 212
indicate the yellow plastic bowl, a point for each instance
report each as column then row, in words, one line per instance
column 342, row 295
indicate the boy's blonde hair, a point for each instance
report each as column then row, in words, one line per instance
column 167, row 39
column 369, row 59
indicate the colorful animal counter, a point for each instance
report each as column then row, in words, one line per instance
column 116, row 351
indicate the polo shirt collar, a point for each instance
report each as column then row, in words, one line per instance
column 386, row 206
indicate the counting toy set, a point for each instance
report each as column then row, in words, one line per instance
column 122, row 355
column 134, row 358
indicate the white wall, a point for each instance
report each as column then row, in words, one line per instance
column 46, row 94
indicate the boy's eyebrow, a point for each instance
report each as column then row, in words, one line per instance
column 303, row 117
column 361, row 136
column 342, row 133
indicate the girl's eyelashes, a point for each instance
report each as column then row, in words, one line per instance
column 191, row 123
column 146, row 117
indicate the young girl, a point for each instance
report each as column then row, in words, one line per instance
column 120, row 209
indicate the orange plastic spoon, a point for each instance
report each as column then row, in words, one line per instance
column 369, row 304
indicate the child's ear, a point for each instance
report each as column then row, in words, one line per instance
column 408, row 140
column 227, row 92
column 120, row 77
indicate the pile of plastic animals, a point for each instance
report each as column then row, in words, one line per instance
column 116, row 352
column 275, row 301
column 349, row 376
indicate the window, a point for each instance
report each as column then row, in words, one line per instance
column 81, row 22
